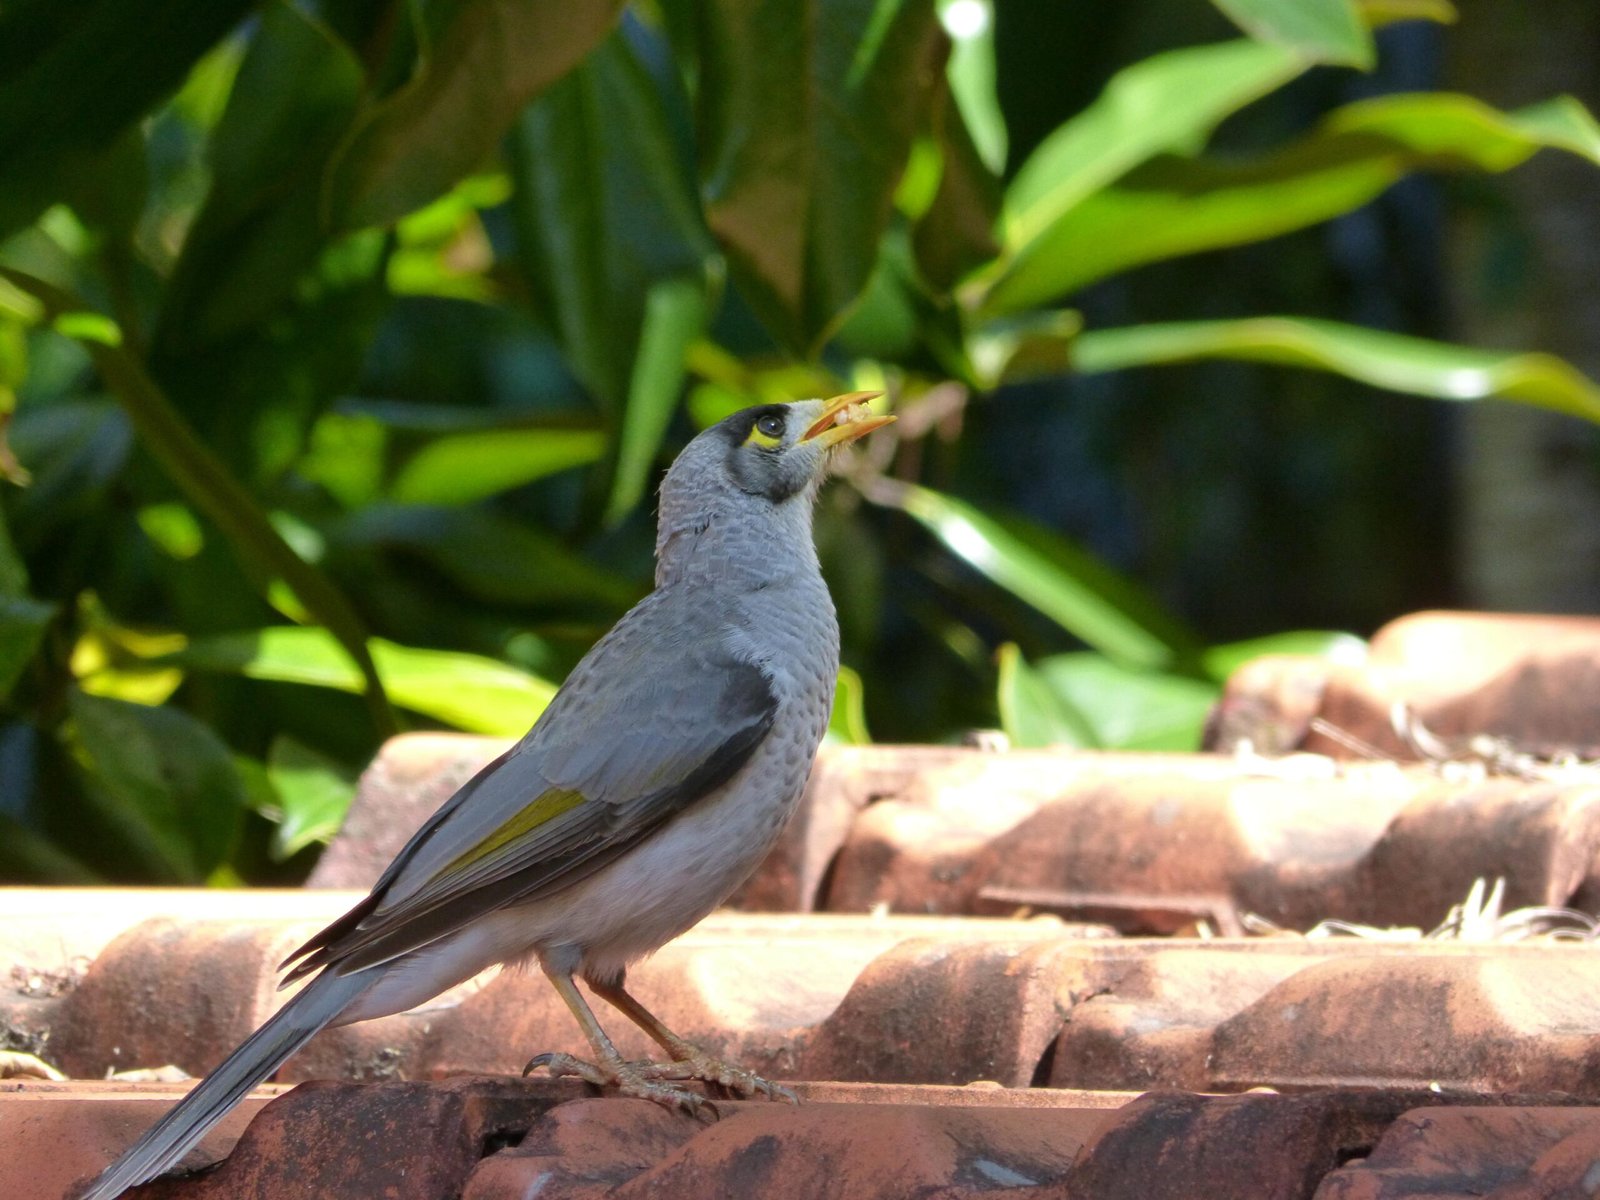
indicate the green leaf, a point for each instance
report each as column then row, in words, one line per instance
column 30, row 857
column 1168, row 103
column 608, row 224
column 463, row 467
column 23, row 621
column 313, row 793
column 847, row 723
column 492, row 58
column 469, row 692
column 1387, row 360
column 209, row 486
column 488, row 555
column 1129, row 709
column 807, row 110
column 1219, row 662
column 971, row 72
column 674, row 316
column 1175, row 206
column 1324, row 31
column 73, row 77
column 259, row 228
column 1067, row 585
column 163, row 780
column 1031, row 713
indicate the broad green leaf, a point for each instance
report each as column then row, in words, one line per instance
column 1378, row 13
column 30, row 857
column 1031, row 713
column 487, row 555
column 970, row 26
column 259, row 228
column 1219, row 662
column 1174, row 206
column 674, row 316
column 196, row 471
column 1386, row 360
column 22, row 623
column 1324, row 31
column 467, row 691
column 1075, row 593
column 1130, row 709
column 847, row 723
column 608, row 223
column 75, row 76
column 807, row 110
column 163, row 780
column 492, row 58
column 1168, row 103
column 463, row 467
column 313, row 792
column 955, row 234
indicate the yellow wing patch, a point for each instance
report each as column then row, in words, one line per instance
column 546, row 808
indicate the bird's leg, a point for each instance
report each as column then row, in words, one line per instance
column 688, row 1060
column 610, row 1069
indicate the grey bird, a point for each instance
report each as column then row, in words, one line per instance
column 653, row 784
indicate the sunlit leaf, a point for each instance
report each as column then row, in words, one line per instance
column 847, row 723
column 807, row 111
column 1219, row 662
column 1082, row 596
column 1324, row 31
column 971, row 70
column 1130, row 709
column 313, row 792
column 469, row 692
column 163, row 780
column 492, row 58
column 674, row 316
column 1386, row 360
column 1031, row 713
column 1168, row 103
column 462, row 467
column 1175, row 206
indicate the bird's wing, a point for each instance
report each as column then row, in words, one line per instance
column 657, row 715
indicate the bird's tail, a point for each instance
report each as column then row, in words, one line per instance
column 291, row 1027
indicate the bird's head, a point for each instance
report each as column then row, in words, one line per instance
column 760, row 462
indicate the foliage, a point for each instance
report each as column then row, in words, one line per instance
column 341, row 345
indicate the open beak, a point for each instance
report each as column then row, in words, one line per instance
column 844, row 419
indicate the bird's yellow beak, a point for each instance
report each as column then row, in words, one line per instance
column 844, row 419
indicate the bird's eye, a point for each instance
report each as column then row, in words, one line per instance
column 770, row 426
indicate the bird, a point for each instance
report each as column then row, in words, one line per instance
column 652, row 785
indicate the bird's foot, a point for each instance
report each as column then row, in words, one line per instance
column 697, row 1064
column 639, row 1079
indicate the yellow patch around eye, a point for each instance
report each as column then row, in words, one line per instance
column 547, row 807
column 766, row 440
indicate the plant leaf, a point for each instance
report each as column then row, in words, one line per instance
column 212, row 490
column 807, row 109
column 1168, row 103
column 1219, row 662
column 1130, row 709
column 1324, row 31
column 674, row 317
column 1175, row 206
column 164, row 780
column 462, row 467
column 1082, row 596
column 847, row 722
column 1386, row 360
column 606, row 213
column 467, row 691
column 73, row 77
column 313, row 793
column 493, row 57
column 1031, row 713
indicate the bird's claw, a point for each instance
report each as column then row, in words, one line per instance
column 735, row 1080
column 643, row 1080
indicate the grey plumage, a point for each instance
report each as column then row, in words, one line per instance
column 657, row 779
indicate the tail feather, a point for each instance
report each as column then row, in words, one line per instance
column 291, row 1027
